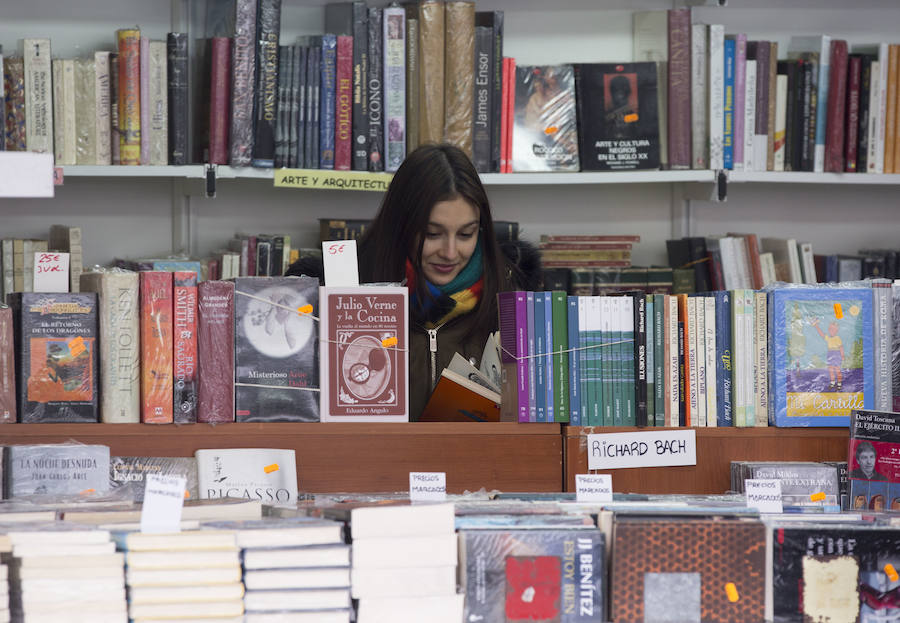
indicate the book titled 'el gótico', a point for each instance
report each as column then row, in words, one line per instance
column 617, row 116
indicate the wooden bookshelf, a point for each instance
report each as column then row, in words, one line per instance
column 716, row 448
column 348, row 457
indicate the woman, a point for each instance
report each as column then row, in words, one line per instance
column 434, row 230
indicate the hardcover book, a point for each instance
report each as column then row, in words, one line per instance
column 617, row 116
column 56, row 356
column 394, row 87
column 265, row 474
column 431, row 71
column 873, row 464
column 243, row 81
column 57, row 469
column 374, row 86
column 129, row 104
column 545, row 132
column 14, row 113
column 524, row 575
column 215, row 351
column 130, row 471
column 156, row 347
column 798, row 481
column 363, row 367
column 276, row 349
column 268, row 27
column 184, row 340
column 38, row 93
column 177, row 74
column 820, row 345
column 459, row 70
column 7, row 367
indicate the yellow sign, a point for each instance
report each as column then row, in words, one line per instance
column 332, row 180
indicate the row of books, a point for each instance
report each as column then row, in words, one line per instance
column 790, row 356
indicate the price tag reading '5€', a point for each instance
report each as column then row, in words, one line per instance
column 341, row 268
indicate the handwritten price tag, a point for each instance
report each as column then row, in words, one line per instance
column 163, row 503
column 341, row 268
column 51, row 271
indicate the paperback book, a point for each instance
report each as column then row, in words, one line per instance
column 265, row 474
column 874, row 460
column 545, row 129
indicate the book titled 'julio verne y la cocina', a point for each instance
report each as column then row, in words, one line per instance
column 364, row 360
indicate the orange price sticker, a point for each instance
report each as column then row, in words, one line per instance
column 551, row 130
column 271, row 468
column 891, row 572
column 76, row 346
column 390, row 341
column 631, row 118
column 187, row 494
column 306, row 309
column 838, row 311
column 732, row 592
column 817, row 497
column 87, row 492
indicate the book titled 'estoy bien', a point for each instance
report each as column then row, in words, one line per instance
column 364, row 360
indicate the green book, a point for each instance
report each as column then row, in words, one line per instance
column 560, row 358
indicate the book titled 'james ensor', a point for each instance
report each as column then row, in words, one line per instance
column 364, row 359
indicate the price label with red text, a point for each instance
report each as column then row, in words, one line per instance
column 341, row 268
column 51, row 271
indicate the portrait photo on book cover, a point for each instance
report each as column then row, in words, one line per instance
column 867, row 463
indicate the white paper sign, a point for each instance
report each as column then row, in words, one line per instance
column 428, row 486
column 642, row 449
column 26, row 174
column 341, row 267
column 593, row 488
column 163, row 502
column 764, row 495
column 51, row 271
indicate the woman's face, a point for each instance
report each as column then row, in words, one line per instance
column 450, row 239
column 866, row 460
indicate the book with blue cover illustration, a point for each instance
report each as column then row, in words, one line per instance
column 821, row 355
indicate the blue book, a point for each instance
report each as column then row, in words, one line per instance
column 548, row 357
column 820, row 353
column 574, row 381
column 532, row 385
column 540, row 368
column 728, row 135
column 326, row 101
column 724, row 371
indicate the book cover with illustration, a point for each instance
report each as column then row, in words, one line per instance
column 533, row 574
column 265, row 474
column 364, row 364
column 56, row 356
column 823, row 573
column 618, row 119
column 874, row 460
column 276, row 350
column 820, row 345
column 701, row 556
column 799, row 481
column 545, row 128
column 55, row 469
column 131, row 471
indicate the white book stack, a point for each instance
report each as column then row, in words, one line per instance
column 404, row 560
column 63, row 573
column 295, row 569
column 182, row 575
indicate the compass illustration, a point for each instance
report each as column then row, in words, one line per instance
column 365, row 367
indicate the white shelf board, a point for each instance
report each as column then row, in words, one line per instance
column 226, row 172
column 803, row 177
column 595, row 177
column 188, row 171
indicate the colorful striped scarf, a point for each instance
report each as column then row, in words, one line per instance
column 443, row 303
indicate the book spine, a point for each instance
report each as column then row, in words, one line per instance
column 697, row 358
column 875, row 118
column 822, row 95
column 837, row 102
column 496, row 89
column 14, row 86
column 760, row 138
column 220, row 97
column 120, row 380
column 2, row 113
column 540, row 370
column 884, row 55
column 560, row 357
column 412, row 78
column 679, row 86
column 650, row 365
column 716, row 95
column 268, row 26
column 327, row 95
column 70, row 131
column 549, row 370
column 749, row 115
column 761, row 353
column 129, row 46
column 39, row 96
column 640, row 360
column 482, row 107
column 709, row 357
column 781, row 102
column 158, row 113
column 504, row 118
column 343, row 130
column 375, row 86
column 394, row 87
column 115, row 132
column 431, row 77
column 510, row 112
column 360, row 138
column 57, row 67
column 865, row 112
column 215, row 350
column 700, row 94
column 573, row 328
column 282, row 106
column 459, row 85
column 102, row 136
column 144, row 98
column 851, row 121
column 673, row 357
column 243, row 80
column 532, row 363
column 740, row 93
column 177, row 75
column 156, row 347
column 881, row 344
column 728, row 106
column 724, row 360
column 300, row 83
column 770, row 108
column 185, row 346
column 7, row 367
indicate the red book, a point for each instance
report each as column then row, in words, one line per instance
column 219, row 99
column 185, row 346
column 837, row 104
column 129, row 104
column 7, row 368
column 343, row 104
column 679, row 114
column 504, row 121
column 215, row 350
column 510, row 112
column 851, row 126
column 156, row 347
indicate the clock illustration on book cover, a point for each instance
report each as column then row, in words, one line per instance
column 274, row 329
column 365, row 367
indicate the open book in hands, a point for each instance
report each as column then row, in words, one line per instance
column 465, row 393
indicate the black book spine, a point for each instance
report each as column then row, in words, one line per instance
column 243, row 82
column 360, row 147
column 374, row 84
column 682, row 415
column 281, row 106
column 177, row 68
column 797, row 120
column 312, row 102
column 865, row 82
column 640, row 358
column 294, row 128
column 497, row 96
column 812, row 74
column 482, row 108
column 268, row 26
column 315, row 107
column 302, row 51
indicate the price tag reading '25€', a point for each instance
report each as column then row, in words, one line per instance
column 341, row 267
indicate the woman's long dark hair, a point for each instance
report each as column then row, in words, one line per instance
column 429, row 175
